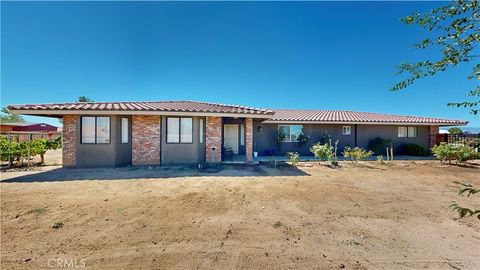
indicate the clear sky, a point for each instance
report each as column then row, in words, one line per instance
column 311, row 55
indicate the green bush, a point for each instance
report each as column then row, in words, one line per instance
column 378, row 145
column 448, row 152
column 294, row 158
column 412, row 149
column 18, row 149
column 356, row 154
column 323, row 151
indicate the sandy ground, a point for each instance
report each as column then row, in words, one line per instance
column 371, row 217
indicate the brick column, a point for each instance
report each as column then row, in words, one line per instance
column 432, row 138
column 69, row 141
column 213, row 139
column 146, row 140
column 248, row 140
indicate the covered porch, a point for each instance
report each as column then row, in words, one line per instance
column 229, row 140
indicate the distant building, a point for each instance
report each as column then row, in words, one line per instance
column 27, row 127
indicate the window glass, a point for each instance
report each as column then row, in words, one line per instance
column 201, row 131
column 412, row 132
column 289, row 133
column 88, row 129
column 186, row 130
column 124, row 130
column 173, row 130
column 103, row 129
column 347, row 130
column 295, row 132
column 402, row 132
column 242, row 134
column 283, row 133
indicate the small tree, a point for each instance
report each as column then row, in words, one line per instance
column 448, row 152
column 322, row 151
column 356, row 154
column 455, row 130
column 85, row 99
column 294, row 158
column 8, row 117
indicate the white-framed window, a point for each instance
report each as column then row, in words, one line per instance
column 407, row 132
column 201, row 130
column 95, row 129
column 289, row 133
column 242, row 134
column 179, row 130
column 88, row 129
column 346, row 130
column 186, row 130
column 412, row 132
column 124, row 130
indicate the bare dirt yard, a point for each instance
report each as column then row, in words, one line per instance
column 314, row 217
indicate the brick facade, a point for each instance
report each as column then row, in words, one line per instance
column 146, row 140
column 69, row 140
column 248, row 140
column 213, row 139
column 432, row 138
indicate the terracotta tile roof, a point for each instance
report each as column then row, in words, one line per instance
column 160, row 106
column 277, row 115
column 355, row 117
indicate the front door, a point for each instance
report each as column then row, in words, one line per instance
column 230, row 137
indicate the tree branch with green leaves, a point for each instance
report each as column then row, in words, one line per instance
column 467, row 189
column 456, row 31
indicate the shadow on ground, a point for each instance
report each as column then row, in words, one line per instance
column 130, row 173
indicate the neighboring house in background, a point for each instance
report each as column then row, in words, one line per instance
column 107, row 134
column 27, row 127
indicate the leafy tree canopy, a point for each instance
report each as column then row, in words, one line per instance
column 8, row 117
column 85, row 99
column 455, row 130
column 455, row 31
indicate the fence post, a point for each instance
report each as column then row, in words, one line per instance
column 28, row 148
column 9, row 149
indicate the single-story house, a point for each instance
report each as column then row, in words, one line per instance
column 27, row 127
column 108, row 134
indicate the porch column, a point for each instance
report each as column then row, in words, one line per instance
column 146, row 140
column 248, row 140
column 432, row 138
column 69, row 140
column 213, row 139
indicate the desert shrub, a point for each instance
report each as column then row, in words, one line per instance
column 448, row 152
column 323, row 151
column 412, row 149
column 356, row 154
column 378, row 145
column 380, row 160
column 294, row 158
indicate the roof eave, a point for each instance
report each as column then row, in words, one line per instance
column 59, row 113
column 463, row 123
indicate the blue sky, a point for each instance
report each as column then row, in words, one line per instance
column 312, row 55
